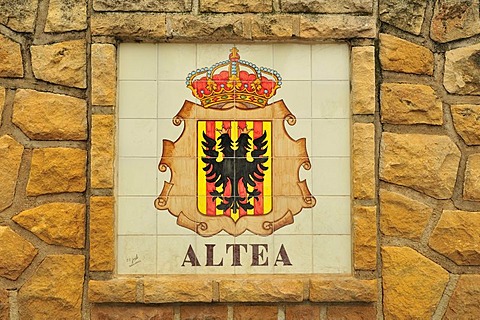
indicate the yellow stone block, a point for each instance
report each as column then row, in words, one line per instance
column 363, row 161
column 115, row 290
column 363, row 80
column 104, row 74
column 365, row 238
column 102, row 220
column 102, row 151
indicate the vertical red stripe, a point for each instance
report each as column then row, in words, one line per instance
column 257, row 132
column 242, row 191
column 228, row 188
column 210, row 132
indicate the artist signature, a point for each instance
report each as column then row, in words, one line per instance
column 133, row 261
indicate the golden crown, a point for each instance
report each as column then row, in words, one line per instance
column 233, row 80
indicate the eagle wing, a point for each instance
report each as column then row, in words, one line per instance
column 213, row 168
column 255, row 168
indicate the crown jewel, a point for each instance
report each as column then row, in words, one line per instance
column 233, row 80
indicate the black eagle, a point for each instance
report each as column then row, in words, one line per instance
column 235, row 168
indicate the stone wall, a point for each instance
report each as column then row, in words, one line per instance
column 57, row 120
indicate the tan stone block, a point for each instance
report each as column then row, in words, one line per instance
column 365, row 238
column 273, row 26
column 363, row 80
column 59, row 223
column 240, row 6
column 250, row 312
column 4, row 305
column 363, row 161
column 457, row 236
column 56, row 288
column 412, row 284
column 302, row 311
column 49, row 116
column 142, row 5
column 10, row 158
column 454, row 20
column 66, row 15
column 404, row 103
column 11, row 57
column 115, row 290
column 102, row 151
column 204, row 311
column 336, row 27
column 471, row 185
column 19, row 15
column 462, row 72
column 354, row 312
column 403, row 56
column 129, row 25
column 245, row 290
column 132, row 311
column 104, row 74
column 405, row 15
column 177, row 290
column 17, row 253
column 57, row 170
column 206, row 27
column 323, row 6
column 426, row 163
column 62, row 63
column 401, row 216
column 465, row 300
column 465, row 120
column 102, row 222
column 2, row 103
column 342, row 289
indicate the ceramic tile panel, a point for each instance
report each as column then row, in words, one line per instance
column 178, row 215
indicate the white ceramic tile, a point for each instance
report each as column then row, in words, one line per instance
column 137, row 177
column 331, row 215
column 172, row 254
column 332, row 254
column 301, row 129
column 330, row 62
column 220, row 261
column 331, row 99
column 210, row 53
column 171, row 96
column 167, row 131
column 297, row 249
column 137, row 137
column 266, row 255
column 331, row 137
column 136, row 254
column 162, row 178
column 137, row 99
column 176, row 60
column 292, row 61
column 136, row 215
column 259, row 54
column 297, row 97
column 331, row 176
column 302, row 224
column 167, row 224
column 137, row 61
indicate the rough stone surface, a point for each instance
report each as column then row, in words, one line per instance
column 363, row 80
column 426, row 163
column 204, row 312
column 355, row 312
column 177, row 290
column 465, row 301
column 11, row 57
column 273, row 290
column 403, row 56
column 454, row 20
column 340, row 289
column 20, row 15
column 302, row 311
column 363, row 162
column 471, row 186
column 457, row 236
column 57, row 170
column 405, row 15
column 336, row 27
column 66, row 15
column 129, row 25
column 102, row 151
column 236, row 6
column 401, row 216
column 49, row 116
column 142, row 5
column 365, row 238
column 102, row 224
column 131, row 311
column 203, row 27
column 462, row 70
column 17, row 253
column 412, row 284
column 104, row 74
column 4, row 304
column 251, row 312
column 10, row 157
column 273, row 26
column 465, row 120
column 61, row 63
column 59, row 223
column 56, row 288
column 325, row 6
column 115, row 290
column 2, row 103
column 403, row 103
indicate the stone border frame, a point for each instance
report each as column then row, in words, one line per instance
column 105, row 286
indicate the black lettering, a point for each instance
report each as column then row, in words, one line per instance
column 257, row 254
column 210, row 262
column 236, row 253
column 283, row 257
column 192, row 257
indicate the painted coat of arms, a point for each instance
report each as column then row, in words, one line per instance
column 234, row 167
